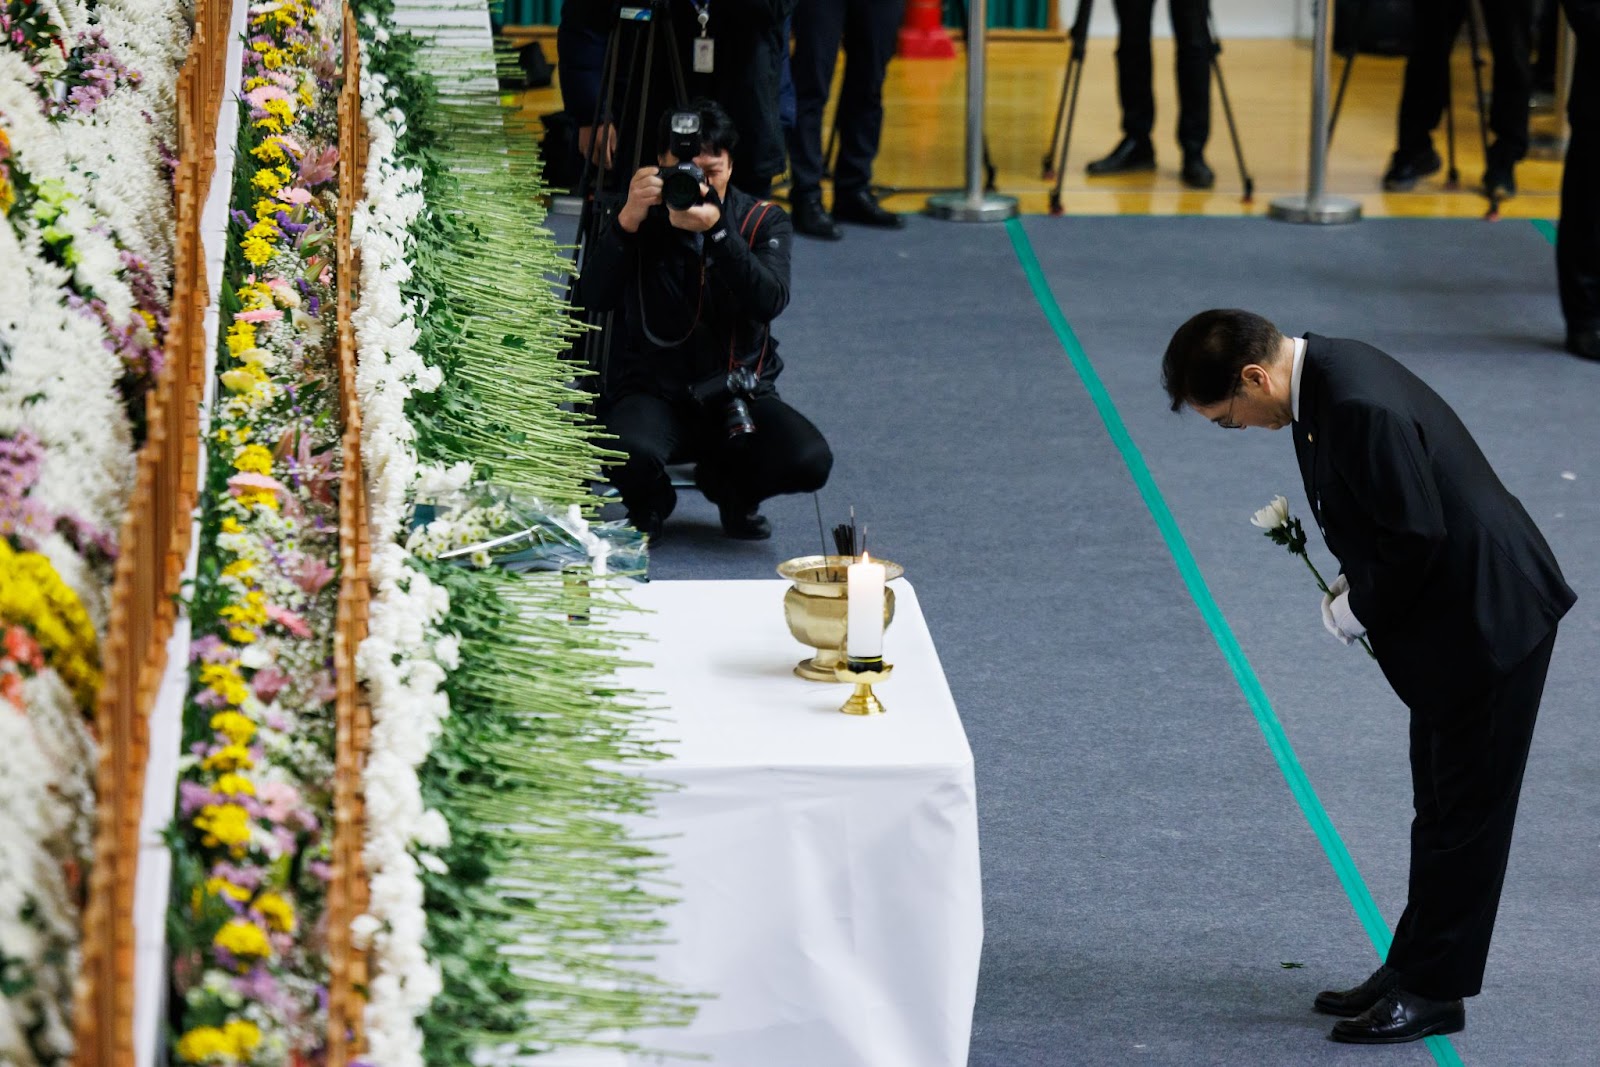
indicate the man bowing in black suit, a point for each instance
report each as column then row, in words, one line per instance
column 1459, row 595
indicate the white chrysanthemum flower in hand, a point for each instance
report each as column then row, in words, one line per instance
column 1272, row 516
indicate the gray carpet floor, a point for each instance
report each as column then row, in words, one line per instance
column 1148, row 876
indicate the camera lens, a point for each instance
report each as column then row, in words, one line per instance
column 680, row 189
column 737, row 420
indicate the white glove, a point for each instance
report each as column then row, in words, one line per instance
column 1337, row 617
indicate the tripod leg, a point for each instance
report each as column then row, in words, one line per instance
column 1349, row 62
column 1048, row 168
column 1473, row 12
column 1074, row 79
column 1245, row 179
column 1452, row 178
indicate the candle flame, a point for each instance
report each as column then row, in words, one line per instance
column 865, row 558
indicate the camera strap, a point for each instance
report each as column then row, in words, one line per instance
column 750, row 238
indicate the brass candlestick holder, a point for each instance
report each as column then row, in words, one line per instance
column 815, row 607
column 864, row 673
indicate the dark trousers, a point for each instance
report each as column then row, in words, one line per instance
column 786, row 454
column 1578, row 236
column 1466, row 771
column 869, row 31
column 1509, row 24
column 1192, row 39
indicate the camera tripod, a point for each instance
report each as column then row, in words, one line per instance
column 603, row 185
column 1452, row 174
column 1055, row 158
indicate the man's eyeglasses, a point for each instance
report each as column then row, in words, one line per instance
column 1226, row 421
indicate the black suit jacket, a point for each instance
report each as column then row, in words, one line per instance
column 1447, row 571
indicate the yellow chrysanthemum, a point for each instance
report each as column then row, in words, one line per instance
column 273, row 58
column 253, row 458
column 221, row 887
column 244, row 939
column 204, row 1043
column 227, row 825
column 230, row 525
column 237, row 728
column 228, row 758
column 223, row 679
column 240, row 636
column 244, row 1036
column 257, row 251
column 241, row 335
column 239, row 568
column 232, row 785
column 267, row 180
column 278, row 913
column 270, row 150
column 34, row 596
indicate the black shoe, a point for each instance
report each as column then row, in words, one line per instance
column 744, row 524
column 1584, row 343
column 1348, row 1002
column 1195, row 174
column 811, row 220
column 1400, row 1017
column 1131, row 154
column 1406, row 169
column 1500, row 180
column 863, row 209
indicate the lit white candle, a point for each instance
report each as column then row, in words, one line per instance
column 864, row 620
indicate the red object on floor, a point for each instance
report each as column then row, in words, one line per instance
column 923, row 35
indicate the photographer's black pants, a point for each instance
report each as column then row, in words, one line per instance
column 1509, row 24
column 870, row 32
column 1192, row 40
column 1578, row 238
column 786, row 454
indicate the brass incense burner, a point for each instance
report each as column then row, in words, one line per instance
column 814, row 607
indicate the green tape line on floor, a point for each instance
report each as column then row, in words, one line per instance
column 1344, row 867
column 1546, row 227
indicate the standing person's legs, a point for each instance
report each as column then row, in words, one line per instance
column 1578, row 237
column 1467, row 767
column 648, row 430
column 1426, row 91
column 871, row 33
column 1191, row 38
column 1134, row 90
column 818, row 29
column 1509, row 26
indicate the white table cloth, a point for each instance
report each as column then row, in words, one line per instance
column 828, row 863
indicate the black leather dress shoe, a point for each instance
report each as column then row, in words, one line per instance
column 810, row 219
column 1500, row 180
column 862, row 208
column 1399, row 1017
column 1131, row 154
column 1348, row 1002
column 1406, row 169
column 1196, row 174
column 1584, row 343
column 744, row 524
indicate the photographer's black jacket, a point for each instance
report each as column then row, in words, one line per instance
column 705, row 299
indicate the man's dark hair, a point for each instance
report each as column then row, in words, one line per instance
column 717, row 133
column 1207, row 353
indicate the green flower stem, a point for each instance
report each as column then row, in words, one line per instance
column 1324, row 587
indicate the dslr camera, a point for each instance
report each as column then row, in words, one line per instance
column 731, row 390
column 680, row 183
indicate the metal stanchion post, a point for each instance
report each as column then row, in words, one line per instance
column 1316, row 206
column 974, row 205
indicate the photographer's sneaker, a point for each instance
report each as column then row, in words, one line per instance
column 744, row 524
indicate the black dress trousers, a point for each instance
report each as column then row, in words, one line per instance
column 870, row 32
column 1192, row 40
column 1509, row 24
column 1466, row 773
column 1578, row 237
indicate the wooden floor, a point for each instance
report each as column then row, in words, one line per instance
column 1269, row 85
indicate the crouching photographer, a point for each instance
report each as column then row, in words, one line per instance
column 698, row 271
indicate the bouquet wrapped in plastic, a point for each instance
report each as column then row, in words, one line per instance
column 490, row 525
